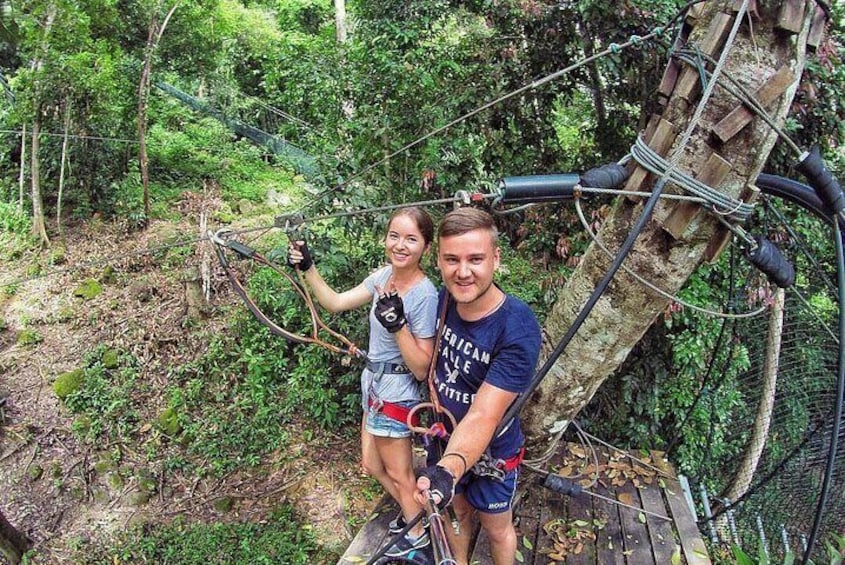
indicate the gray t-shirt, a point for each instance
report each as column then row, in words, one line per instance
column 420, row 305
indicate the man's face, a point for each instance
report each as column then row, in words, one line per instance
column 467, row 263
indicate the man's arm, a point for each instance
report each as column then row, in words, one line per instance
column 474, row 433
column 471, row 437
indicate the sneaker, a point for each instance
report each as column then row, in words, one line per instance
column 397, row 524
column 406, row 547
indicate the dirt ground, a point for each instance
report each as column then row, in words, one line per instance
column 55, row 488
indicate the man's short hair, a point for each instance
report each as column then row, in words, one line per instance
column 467, row 219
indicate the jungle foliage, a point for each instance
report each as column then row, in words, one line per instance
column 407, row 69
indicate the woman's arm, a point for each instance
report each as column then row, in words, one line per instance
column 416, row 352
column 329, row 298
column 332, row 300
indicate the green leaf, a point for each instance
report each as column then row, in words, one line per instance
column 742, row 558
column 676, row 556
column 527, row 543
column 580, row 523
column 641, row 518
column 519, row 556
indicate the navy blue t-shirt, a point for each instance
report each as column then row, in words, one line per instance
column 500, row 349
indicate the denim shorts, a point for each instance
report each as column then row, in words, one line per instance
column 380, row 425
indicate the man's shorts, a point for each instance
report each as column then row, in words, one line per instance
column 489, row 495
column 380, row 425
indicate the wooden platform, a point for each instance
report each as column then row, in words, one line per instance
column 585, row 529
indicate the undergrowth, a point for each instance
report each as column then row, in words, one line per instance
column 279, row 539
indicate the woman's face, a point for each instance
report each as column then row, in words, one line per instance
column 404, row 244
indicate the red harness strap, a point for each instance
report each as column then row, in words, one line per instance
column 513, row 462
column 393, row 411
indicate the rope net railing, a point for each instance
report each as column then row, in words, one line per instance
column 754, row 429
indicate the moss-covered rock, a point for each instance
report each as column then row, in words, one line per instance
column 29, row 336
column 110, row 359
column 139, row 498
column 168, row 422
column 65, row 314
column 58, row 255
column 35, row 472
column 114, row 480
column 223, row 504
column 68, row 383
column 103, row 465
column 88, row 289
column 81, row 425
column 146, row 480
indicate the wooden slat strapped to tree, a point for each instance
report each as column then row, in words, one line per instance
column 665, row 255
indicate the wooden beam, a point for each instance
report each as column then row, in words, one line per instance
column 660, row 141
column 791, row 15
column 673, row 68
column 767, row 93
column 817, row 28
column 689, row 81
column 695, row 11
column 712, row 174
column 723, row 235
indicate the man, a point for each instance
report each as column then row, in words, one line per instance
column 486, row 355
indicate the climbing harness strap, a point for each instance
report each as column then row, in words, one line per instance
column 392, row 410
column 497, row 469
column 388, row 368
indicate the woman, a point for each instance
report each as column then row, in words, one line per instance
column 402, row 327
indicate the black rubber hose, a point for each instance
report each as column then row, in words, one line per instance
column 822, row 180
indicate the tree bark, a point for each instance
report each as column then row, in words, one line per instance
column 153, row 37
column 38, row 228
column 62, row 168
column 22, row 177
column 626, row 310
column 13, row 543
column 340, row 20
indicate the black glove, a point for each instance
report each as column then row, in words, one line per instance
column 442, row 484
column 306, row 262
column 390, row 311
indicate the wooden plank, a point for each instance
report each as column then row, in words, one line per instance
column 580, row 514
column 695, row 11
column 609, row 544
column 723, row 236
column 554, row 510
column 791, row 15
column 663, row 542
column 527, row 527
column 673, row 69
column 817, row 28
column 713, row 172
column 635, row 534
column 694, row 550
column 374, row 533
column 660, row 141
column 689, row 82
column 767, row 93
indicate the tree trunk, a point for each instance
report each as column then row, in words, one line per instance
column 676, row 240
column 13, row 543
column 746, row 469
column 22, row 177
column 143, row 93
column 153, row 37
column 62, row 169
column 38, row 228
column 340, row 20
